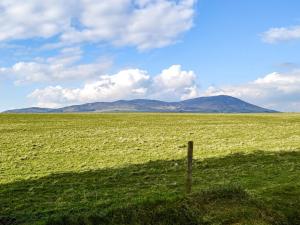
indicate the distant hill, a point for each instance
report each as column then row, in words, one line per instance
column 213, row 104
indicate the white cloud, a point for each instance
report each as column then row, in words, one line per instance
column 174, row 78
column 60, row 68
column 127, row 84
column 145, row 24
column 275, row 35
column 174, row 83
column 190, row 92
column 33, row 18
column 276, row 90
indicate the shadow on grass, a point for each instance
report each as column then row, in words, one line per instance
column 156, row 189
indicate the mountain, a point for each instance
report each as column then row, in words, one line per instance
column 213, row 104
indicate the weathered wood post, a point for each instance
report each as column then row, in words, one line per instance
column 189, row 167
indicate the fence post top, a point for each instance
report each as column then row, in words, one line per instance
column 190, row 143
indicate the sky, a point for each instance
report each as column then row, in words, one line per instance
column 55, row 53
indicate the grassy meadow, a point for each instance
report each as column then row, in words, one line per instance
column 123, row 167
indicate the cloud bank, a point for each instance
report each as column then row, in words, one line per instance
column 279, row 91
column 144, row 24
column 171, row 84
column 64, row 67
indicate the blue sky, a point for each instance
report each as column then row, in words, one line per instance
column 81, row 51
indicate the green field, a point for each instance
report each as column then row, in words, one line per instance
column 76, row 167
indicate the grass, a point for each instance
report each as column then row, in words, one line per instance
column 58, row 169
column 216, row 206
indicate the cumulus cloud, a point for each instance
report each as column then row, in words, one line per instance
column 59, row 68
column 129, row 83
column 126, row 84
column 174, row 83
column 275, row 35
column 145, row 24
column 280, row 91
column 34, row 18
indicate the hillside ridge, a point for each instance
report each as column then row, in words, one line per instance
column 211, row 104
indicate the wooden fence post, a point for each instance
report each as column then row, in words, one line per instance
column 189, row 167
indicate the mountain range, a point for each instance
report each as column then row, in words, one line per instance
column 213, row 104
